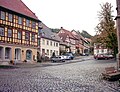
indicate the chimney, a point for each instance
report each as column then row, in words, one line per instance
column 61, row 27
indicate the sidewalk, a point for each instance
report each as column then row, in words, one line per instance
column 49, row 63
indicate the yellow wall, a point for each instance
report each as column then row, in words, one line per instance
column 23, row 52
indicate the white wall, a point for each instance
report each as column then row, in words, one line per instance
column 100, row 51
column 49, row 47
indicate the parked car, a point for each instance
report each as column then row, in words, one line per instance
column 85, row 54
column 99, row 56
column 103, row 56
column 68, row 56
column 57, row 59
column 110, row 56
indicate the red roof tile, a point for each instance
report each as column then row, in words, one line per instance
column 62, row 36
column 68, row 33
column 18, row 6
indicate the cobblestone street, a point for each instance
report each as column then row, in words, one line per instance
column 73, row 77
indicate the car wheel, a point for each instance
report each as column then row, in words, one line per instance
column 63, row 60
column 72, row 58
column 97, row 58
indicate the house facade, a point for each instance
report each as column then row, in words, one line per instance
column 80, row 42
column 18, row 32
column 63, row 47
column 86, row 44
column 68, row 38
column 100, row 48
column 49, row 41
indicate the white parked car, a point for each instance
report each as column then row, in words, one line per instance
column 58, row 59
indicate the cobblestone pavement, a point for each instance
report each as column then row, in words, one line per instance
column 74, row 77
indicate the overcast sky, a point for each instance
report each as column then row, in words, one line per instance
column 69, row 14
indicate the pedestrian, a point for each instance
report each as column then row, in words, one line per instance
column 14, row 61
column 53, row 55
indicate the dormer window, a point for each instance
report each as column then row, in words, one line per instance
column 39, row 32
column 52, row 36
column 43, row 34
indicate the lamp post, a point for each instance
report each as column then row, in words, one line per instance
column 118, row 31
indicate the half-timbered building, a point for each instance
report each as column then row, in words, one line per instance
column 18, row 31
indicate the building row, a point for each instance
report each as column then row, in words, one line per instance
column 24, row 37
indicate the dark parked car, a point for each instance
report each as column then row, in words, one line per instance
column 68, row 56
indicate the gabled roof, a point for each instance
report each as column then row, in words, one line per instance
column 65, row 34
column 79, row 35
column 18, row 6
column 47, row 33
column 62, row 36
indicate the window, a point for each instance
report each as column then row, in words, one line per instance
column 51, row 52
column 47, row 42
column 102, row 50
column 33, row 24
column 39, row 32
column 47, row 52
column 1, row 31
column 7, row 53
column 9, row 33
column 26, row 36
column 10, row 17
column 27, row 22
column 38, row 42
column 28, row 54
column 43, row 42
column 51, row 43
column 56, row 52
column 2, row 16
column 19, row 35
column 56, row 44
column 33, row 37
column 19, row 20
column 97, row 51
column 43, row 51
